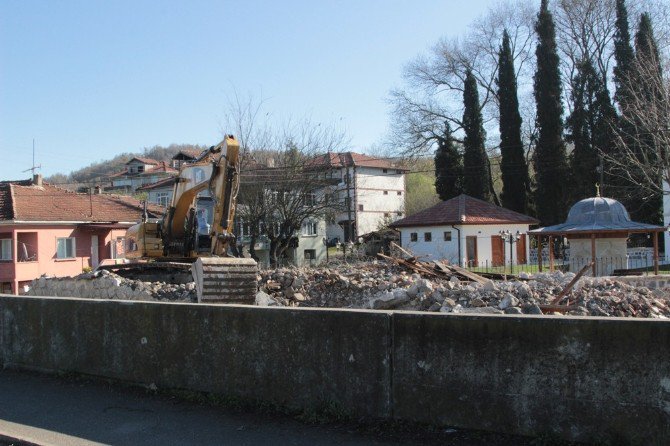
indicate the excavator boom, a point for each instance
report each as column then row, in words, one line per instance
column 218, row 276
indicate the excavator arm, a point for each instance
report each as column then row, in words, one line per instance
column 218, row 277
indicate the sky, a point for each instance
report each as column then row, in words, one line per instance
column 90, row 79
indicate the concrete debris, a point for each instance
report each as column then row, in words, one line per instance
column 384, row 285
column 106, row 285
column 381, row 285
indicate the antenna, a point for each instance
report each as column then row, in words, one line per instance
column 34, row 167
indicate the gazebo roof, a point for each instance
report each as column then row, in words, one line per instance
column 597, row 215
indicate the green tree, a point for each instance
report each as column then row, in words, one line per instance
column 420, row 192
column 588, row 129
column 550, row 156
column 647, row 84
column 476, row 176
column 513, row 161
column 623, row 53
column 615, row 185
column 448, row 166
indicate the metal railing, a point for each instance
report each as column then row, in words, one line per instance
column 604, row 266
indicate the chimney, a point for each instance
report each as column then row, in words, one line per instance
column 37, row 180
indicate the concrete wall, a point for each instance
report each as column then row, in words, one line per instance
column 582, row 378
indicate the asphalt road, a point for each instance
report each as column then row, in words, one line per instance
column 47, row 410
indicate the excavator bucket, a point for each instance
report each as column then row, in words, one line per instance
column 225, row 280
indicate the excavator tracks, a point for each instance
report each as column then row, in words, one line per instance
column 225, row 280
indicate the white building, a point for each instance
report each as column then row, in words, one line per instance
column 466, row 231
column 310, row 249
column 140, row 172
column 371, row 191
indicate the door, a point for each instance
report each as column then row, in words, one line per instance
column 94, row 251
column 471, row 250
column 497, row 251
column 521, row 250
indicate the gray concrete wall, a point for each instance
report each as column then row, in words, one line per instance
column 298, row 359
column 581, row 378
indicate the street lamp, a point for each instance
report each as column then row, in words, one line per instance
column 510, row 238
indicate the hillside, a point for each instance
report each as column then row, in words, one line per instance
column 100, row 171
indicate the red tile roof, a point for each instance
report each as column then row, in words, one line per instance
column 143, row 160
column 191, row 153
column 169, row 181
column 158, row 168
column 334, row 160
column 161, row 167
column 464, row 210
column 20, row 200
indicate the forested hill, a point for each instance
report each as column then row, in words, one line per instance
column 98, row 172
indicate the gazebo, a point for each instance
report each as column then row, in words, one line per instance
column 597, row 228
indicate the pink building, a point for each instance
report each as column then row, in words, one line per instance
column 48, row 230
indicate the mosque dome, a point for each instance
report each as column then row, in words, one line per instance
column 598, row 211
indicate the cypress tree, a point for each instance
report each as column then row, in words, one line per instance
column 625, row 59
column 589, row 130
column 647, row 80
column 623, row 53
column 550, row 157
column 448, row 166
column 513, row 161
column 476, row 179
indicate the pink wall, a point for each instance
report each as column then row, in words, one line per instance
column 46, row 261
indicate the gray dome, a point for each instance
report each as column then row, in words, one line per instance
column 598, row 211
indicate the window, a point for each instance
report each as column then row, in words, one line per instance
column 163, row 198
column 385, row 170
column 386, row 192
column 310, row 254
column 6, row 249
column 140, row 169
column 399, row 193
column 413, row 237
column 398, row 171
column 360, row 207
column 65, row 248
column 427, row 236
column 198, row 175
column 447, row 236
column 310, row 199
column 399, row 214
column 386, row 215
column 309, row 228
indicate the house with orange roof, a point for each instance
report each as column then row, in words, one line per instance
column 139, row 172
column 466, row 231
column 371, row 190
column 48, row 230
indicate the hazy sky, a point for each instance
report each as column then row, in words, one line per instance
column 90, row 79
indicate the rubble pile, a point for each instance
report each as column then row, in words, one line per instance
column 106, row 285
column 377, row 285
column 389, row 285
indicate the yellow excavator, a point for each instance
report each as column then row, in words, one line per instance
column 199, row 236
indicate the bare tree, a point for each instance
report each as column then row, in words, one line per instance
column 434, row 83
column 586, row 28
column 283, row 185
column 643, row 140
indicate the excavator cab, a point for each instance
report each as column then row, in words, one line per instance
column 197, row 228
